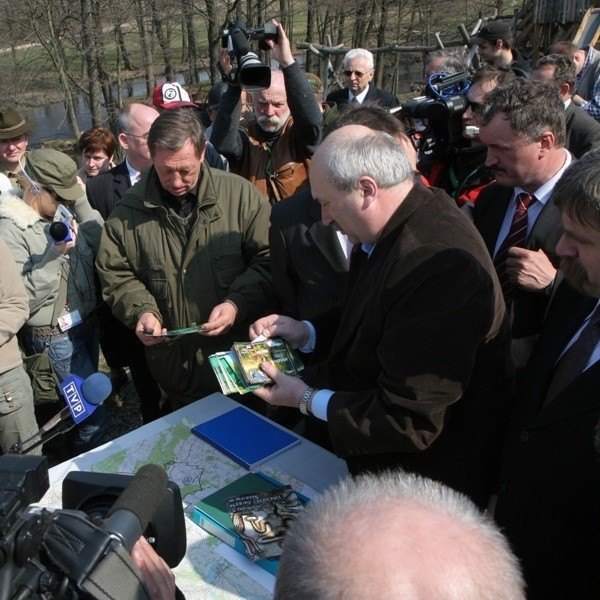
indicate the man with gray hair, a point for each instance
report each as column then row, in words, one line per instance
column 393, row 536
column 186, row 247
column 358, row 69
column 549, row 485
column 416, row 371
column 273, row 152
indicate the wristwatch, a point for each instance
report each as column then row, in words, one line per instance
column 305, row 399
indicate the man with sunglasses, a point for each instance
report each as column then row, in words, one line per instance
column 358, row 69
column 459, row 168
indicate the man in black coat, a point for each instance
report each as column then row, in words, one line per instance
column 583, row 131
column 417, row 371
column 358, row 70
column 120, row 345
column 549, row 485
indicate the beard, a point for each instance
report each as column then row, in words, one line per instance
column 575, row 275
column 272, row 124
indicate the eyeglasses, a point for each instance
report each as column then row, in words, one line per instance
column 142, row 137
column 475, row 106
column 359, row 74
column 56, row 197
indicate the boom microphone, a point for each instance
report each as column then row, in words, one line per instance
column 129, row 516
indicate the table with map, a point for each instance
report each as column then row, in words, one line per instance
column 209, row 569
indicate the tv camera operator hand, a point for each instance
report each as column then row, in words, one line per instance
column 282, row 51
column 159, row 578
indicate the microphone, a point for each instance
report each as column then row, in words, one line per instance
column 60, row 232
column 133, row 510
column 83, row 396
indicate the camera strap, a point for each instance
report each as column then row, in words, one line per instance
column 92, row 560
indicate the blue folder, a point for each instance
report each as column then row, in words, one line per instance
column 245, row 437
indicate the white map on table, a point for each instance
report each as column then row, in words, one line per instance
column 199, row 470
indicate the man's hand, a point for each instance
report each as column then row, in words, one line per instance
column 225, row 61
column 285, row 390
column 295, row 333
column 158, row 577
column 220, row 320
column 530, row 270
column 282, row 52
column 149, row 324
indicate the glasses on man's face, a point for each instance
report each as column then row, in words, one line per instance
column 359, row 74
column 55, row 196
column 141, row 137
column 474, row 106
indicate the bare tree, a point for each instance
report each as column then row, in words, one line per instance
column 146, row 45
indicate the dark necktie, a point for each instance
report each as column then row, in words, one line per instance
column 575, row 359
column 354, row 101
column 517, row 235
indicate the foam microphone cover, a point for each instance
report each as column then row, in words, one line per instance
column 96, row 388
column 143, row 495
column 58, row 231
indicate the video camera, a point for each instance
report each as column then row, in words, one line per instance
column 443, row 104
column 248, row 71
column 51, row 554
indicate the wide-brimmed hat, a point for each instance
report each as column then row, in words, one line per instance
column 171, row 95
column 12, row 124
column 492, row 32
column 54, row 169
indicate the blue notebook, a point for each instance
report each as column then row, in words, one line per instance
column 245, row 437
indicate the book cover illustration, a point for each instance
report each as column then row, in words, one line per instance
column 238, row 371
column 252, row 354
column 261, row 519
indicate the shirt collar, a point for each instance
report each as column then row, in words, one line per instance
column 542, row 194
column 359, row 97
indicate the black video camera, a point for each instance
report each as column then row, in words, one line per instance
column 248, row 71
column 30, row 545
column 443, row 104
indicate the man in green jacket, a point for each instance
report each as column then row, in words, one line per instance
column 186, row 246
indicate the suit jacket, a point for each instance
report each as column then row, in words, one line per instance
column 105, row 190
column 527, row 308
column 340, row 97
column 583, row 131
column 308, row 266
column 549, row 492
column 420, row 362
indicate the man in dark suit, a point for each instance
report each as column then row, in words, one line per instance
column 418, row 358
column 583, row 131
column 309, row 265
column 549, row 485
column 522, row 124
column 358, row 69
column 309, row 261
column 120, row 345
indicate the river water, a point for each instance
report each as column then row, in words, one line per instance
column 51, row 119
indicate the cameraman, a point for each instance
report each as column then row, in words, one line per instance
column 274, row 152
column 459, row 168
